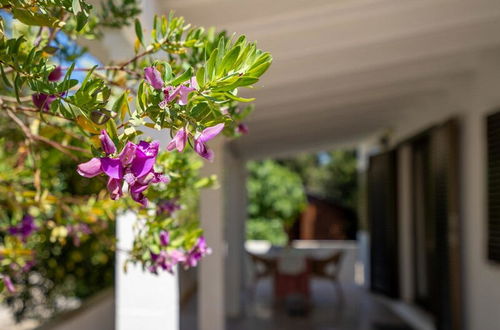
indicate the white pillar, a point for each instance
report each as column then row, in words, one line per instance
column 143, row 301
column 236, row 214
column 211, row 275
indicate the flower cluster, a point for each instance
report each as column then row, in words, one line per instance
column 200, row 139
column 43, row 101
column 170, row 93
column 168, row 259
column 166, row 207
column 133, row 165
column 24, row 229
column 180, row 95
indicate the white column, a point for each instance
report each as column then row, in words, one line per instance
column 143, row 301
column 211, row 275
column 236, row 213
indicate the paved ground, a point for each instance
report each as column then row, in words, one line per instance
column 8, row 323
column 358, row 311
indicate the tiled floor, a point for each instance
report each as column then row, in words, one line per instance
column 358, row 311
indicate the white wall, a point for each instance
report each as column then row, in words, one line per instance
column 482, row 279
column 469, row 96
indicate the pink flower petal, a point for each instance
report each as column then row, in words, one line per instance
column 142, row 164
column 115, row 188
column 112, row 167
column 210, row 132
column 153, row 77
column 107, row 144
column 90, row 168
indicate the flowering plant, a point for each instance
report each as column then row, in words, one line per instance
column 73, row 145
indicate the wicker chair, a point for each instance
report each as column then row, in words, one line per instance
column 328, row 268
column 263, row 267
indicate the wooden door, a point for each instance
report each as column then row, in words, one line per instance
column 382, row 210
column 444, row 212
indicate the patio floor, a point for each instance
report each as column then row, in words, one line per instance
column 359, row 311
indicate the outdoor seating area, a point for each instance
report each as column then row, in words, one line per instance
column 291, row 271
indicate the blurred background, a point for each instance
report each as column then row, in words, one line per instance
column 366, row 194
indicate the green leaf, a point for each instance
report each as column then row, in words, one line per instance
column 183, row 77
column 140, row 96
column 50, row 50
column 100, row 117
column 259, row 70
column 77, row 8
column 17, row 87
column 229, row 59
column 111, row 128
column 200, row 77
column 121, row 105
column 239, row 99
column 167, row 75
column 138, row 31
column 200, row 110
column 4, row 77
column 211, row 65
column 243, row 81
column 33, row 18
column 81, row 21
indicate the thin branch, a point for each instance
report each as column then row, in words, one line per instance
column 28, row 109
column 32, row 137
column 108, row 68
column 38, row 38
column 144, row 53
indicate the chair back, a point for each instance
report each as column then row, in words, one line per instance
column 327, row 267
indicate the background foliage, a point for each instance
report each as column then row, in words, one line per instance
column 277, row 189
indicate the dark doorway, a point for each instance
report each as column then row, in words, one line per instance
column 436, row 224
column 382, row 210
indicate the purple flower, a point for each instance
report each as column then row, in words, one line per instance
column 166, row 260
column 91, row 168
column 28, row 265
column 107, row 144
column 179, row 140
column 242, row 128
column 164, row 237
column 24, row 229
column 76, row 231
column 183, row 92
column 170, row 93
column 206, row 135
column 198, row 251
column 56, row 74
column 167, row 207
column 43, row 101
column 153, row 77
column 134, row 165
column 8, row 284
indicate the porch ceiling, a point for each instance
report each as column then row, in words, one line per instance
column 346, row 69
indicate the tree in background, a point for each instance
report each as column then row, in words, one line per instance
column 331, row 175
column 277, row 189
column 276, row 198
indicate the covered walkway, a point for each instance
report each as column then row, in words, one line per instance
column 360, row 310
